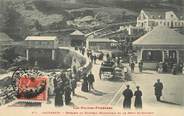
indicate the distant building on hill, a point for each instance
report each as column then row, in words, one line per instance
column 152, row 18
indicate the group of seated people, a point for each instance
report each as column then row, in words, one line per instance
column 166, row 67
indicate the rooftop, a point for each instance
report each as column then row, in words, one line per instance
column 155, row 13
column 43, row 38
column 160, row 35
column 77, row 32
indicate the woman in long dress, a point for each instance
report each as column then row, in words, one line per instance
column 58, row 96
column 68, row 95
column 138, row 98
column 85, row 85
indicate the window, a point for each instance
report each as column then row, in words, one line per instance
column 92, row 43
column 164, row 24
column 45, row 43
column 37, row 43
column 171, row 16
column 176, row 24
column 142, row 24
column 168, row 24
column 152, row 55
column 179, row 24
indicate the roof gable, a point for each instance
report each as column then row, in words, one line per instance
column 77, row 32
column 155, row 13
column 142, row 15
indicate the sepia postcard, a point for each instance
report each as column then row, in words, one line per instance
column 92, row 57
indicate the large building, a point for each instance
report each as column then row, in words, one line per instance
column 148, row 19
column 41, row 47
column 162, row 44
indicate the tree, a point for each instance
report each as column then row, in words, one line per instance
column 14, row 25
column 7, row 57
column 38, row 25
column 3, row 6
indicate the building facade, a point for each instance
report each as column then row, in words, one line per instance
column 101, row 44
column 77, row 38
column 162, row 44
column 148, row 19
column 38, row 47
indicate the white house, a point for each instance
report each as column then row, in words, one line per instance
column 152, row 18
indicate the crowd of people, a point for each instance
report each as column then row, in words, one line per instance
column 64, row 87
column 166, row 67
column 140, row 66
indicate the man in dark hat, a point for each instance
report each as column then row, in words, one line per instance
column 138, row 99
column 158, row 89
column 127, row 93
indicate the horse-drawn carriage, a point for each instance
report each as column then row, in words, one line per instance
column 107, row 69
column 118, row 73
